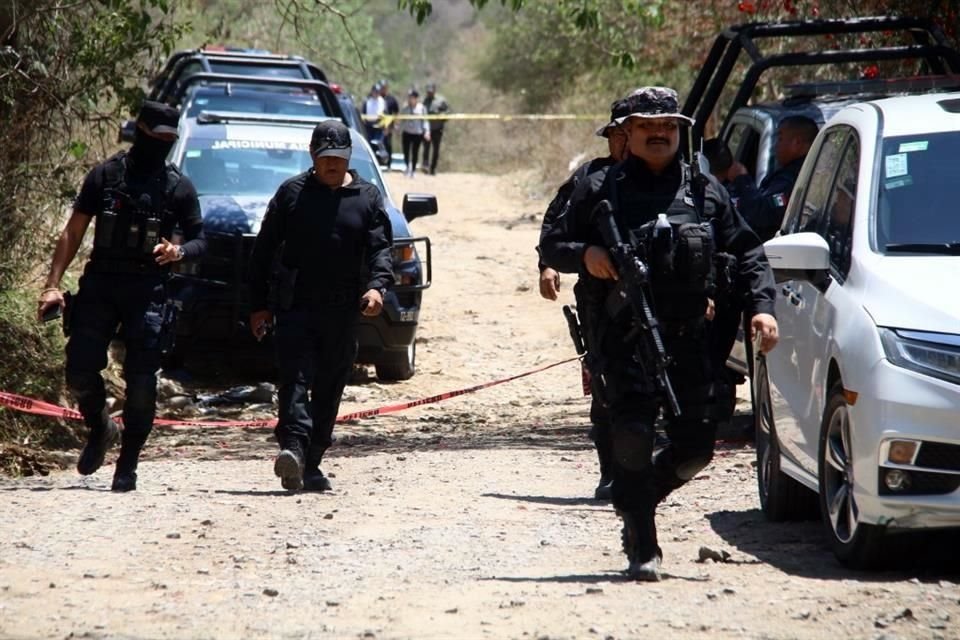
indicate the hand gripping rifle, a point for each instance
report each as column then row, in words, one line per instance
column 631, row 290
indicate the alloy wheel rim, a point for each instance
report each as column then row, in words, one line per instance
column 838, row 477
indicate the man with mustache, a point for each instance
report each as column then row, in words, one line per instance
column 676, row 228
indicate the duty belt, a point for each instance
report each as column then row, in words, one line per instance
column 107, row 265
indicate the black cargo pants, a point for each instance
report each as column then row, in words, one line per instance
column 640, row 481
column 315, row 355
column 105, row 302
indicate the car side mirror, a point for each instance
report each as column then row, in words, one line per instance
column 127, row 130
column 418, row 205
column 797, row 256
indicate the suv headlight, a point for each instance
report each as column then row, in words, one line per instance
column 932, row 354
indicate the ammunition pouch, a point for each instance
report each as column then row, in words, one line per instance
column 725, row 281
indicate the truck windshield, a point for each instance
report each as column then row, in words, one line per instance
column 917, row 197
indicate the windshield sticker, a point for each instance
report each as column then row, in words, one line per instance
column 194, row 153
column 259, row 144
column 905, row 181
column 896, row 165
column 919, row 145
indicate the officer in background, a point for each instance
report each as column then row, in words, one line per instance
column 653, row 180
column 138, row 199
column 550, row 279
column 436, row 105
column 321, row 258
column 391, row 108
column 763, row 207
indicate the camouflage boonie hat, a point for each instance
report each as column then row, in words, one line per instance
column 618, row 109
column 654, row 102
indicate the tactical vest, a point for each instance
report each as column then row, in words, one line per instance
column 136, row 213
column 681, row 259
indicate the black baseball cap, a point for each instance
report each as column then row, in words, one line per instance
column 158, row 117
column 618, row 109
column 331, row 138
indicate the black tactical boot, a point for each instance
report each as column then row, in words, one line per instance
column 314, row 480
column 103, row 433
column 639, row 537
column 289, row 465
column 125, row 473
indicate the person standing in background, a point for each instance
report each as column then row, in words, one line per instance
column 392, row 109
column 435, row 105
column 414, row 131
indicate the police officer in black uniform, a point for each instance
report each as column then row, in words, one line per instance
column 321, row 258
column 652, row 181
column 138, row 200
column 550, row 279
column 763, row 207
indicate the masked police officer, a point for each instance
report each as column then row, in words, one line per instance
column 550, row 279
column 138, row 199
column 321, row 258
column 699, row 222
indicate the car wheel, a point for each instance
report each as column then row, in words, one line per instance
column 856, row 544
column 781, row 497
column 398, row 365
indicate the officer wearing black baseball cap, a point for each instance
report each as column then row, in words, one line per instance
column 137, row 199
column 329, row 235
column 650, row 199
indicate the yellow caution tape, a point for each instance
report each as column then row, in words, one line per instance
column 385, row 120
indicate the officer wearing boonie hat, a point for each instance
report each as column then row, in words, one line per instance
column 327, row 238
column 654, row 181
column 137, row 199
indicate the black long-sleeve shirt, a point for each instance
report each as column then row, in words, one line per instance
column 643, row 195
column 559, row 202
column 338, row 240
column 763, row 207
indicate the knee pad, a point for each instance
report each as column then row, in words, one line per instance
column 633, row 446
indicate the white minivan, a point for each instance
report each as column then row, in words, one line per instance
column 858, row 407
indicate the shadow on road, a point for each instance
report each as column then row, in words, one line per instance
column 561, row 502
column 802, row 549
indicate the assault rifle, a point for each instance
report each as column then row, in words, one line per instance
column 631, row 290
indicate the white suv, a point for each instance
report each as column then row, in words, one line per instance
column 860, row 401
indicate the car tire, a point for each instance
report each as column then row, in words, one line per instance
column 856, row 545
column 398, row 365
column 782, row 498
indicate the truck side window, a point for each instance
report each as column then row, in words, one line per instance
column 821, row 180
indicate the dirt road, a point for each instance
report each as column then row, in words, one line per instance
column 469, row 518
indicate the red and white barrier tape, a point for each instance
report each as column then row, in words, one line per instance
column 42, row 408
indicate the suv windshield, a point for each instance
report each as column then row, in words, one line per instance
column 916, row 200
column 256, row 167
